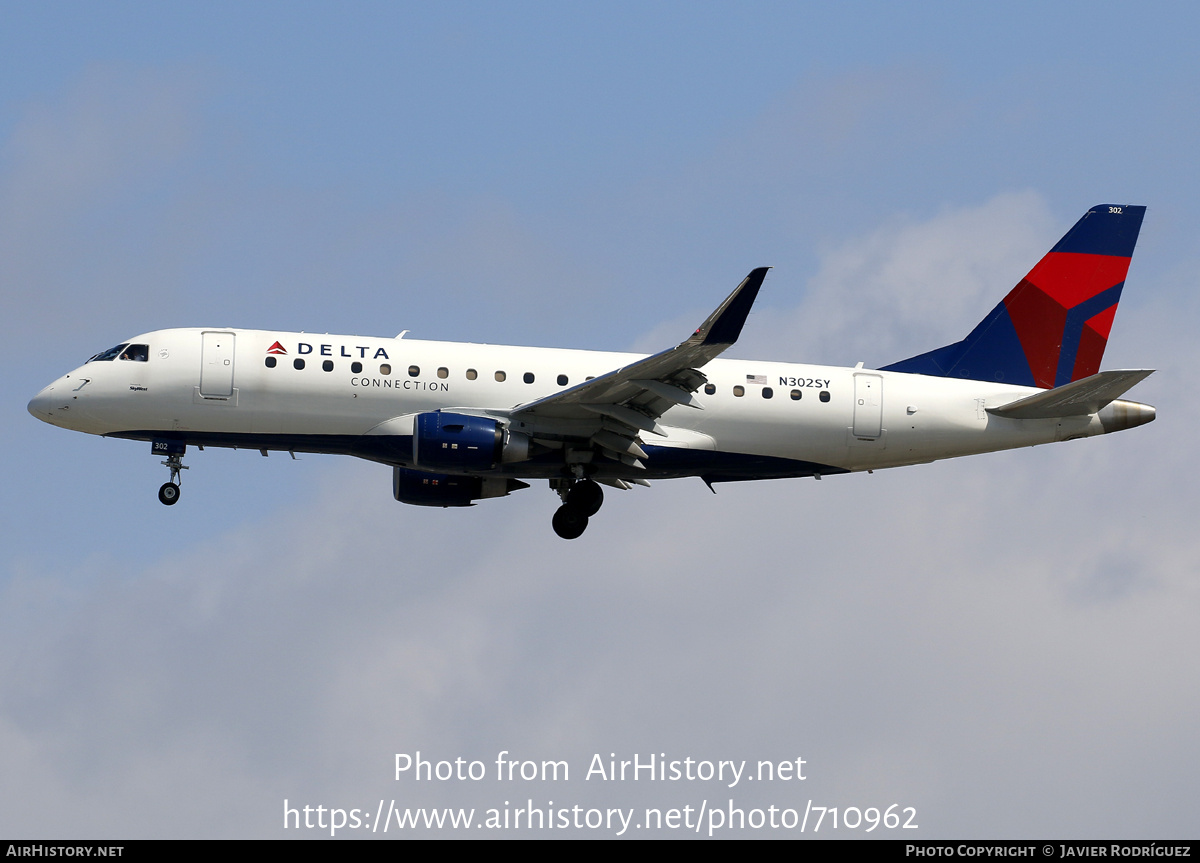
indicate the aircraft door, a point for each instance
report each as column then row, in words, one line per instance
column 868, row 405
column 216, row 365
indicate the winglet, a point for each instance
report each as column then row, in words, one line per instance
column 671, row 376
column 725, row 324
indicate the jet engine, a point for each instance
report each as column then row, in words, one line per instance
column 438, row 489
column 459, row 442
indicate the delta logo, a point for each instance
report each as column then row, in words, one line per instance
column 304, row 348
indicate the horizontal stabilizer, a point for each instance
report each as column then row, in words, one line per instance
column 1079, row 398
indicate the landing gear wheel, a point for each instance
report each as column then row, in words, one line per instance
column 586, row 496
column 569, row 522
column 169, row 494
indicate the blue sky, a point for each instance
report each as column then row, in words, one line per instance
column 976, row 637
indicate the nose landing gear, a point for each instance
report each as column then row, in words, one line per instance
column 168, row 492
column 581, row 500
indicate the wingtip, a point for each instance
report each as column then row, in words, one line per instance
column 725, row 324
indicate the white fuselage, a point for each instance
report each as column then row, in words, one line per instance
column 215, row 387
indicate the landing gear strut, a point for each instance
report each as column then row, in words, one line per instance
column 581, row 500
column 168, row 493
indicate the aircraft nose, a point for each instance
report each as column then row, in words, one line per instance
column 40, row 404
column 55, row 404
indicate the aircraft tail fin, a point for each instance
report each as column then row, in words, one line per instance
column 1052, row 328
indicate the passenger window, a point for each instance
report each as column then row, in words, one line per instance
column 796, row 395
column 710, row 389
column 824, row 396
column 327, row 365
column 768, row 392
column 443, row 372
column 562, row 380
column 739, row 391
column 355, row 367
column 413, row 371
column 472, row 374
column 500, row 376
column 528, row 377
column 137, row 353
column 385, row 369
column 270, row 362
column 297, row 363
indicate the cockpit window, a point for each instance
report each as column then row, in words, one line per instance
column 137, row 353
column 110, row 354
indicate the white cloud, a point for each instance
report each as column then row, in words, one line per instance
column 913, row 285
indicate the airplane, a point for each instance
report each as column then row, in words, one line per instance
column 458, row 422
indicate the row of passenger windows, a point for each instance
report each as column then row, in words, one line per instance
column 471, row 374
column 414, row 371
column 767, row 392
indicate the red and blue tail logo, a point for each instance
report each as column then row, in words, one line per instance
column 1052, row 328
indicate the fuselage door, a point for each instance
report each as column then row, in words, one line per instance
column 216, row 365
column 868, row 405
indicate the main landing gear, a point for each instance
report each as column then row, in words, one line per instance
column 581, row 500
column 168, row 492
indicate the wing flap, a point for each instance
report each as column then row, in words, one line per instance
column 628, row 416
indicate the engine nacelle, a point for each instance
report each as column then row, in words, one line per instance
column 460, row 442
column 438, row 489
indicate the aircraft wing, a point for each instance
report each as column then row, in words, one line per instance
column 1078, row 398
column 614, row 408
